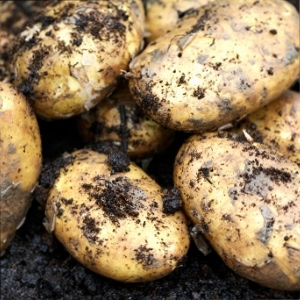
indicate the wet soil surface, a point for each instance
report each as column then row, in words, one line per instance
column 36, row 266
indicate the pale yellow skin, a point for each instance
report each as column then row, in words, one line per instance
column 20, row 160
column 139, row 247
column 245, row 200
column 219, row 65
column 145, row 137
column 162, row 15
column 77, row 58
column 277, row 125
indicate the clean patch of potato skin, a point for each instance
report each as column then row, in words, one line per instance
column 113, row 223
column 162, row 15
column 20, row 160
column 220, row 63
column 119, row 119
column 245, row 199
column 276, row 125
column 69, row 59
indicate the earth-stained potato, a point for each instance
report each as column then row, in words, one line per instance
column 224, row 61
column 71, row 56
column 113, row 222
column 277, row 125
column 20, row 160
column 245, row 199
column 118, row 118
column 162, row 15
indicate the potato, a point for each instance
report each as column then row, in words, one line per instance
column 245, row 199
column 112, row 222
column 70, row 58
column 163, row 15
column 20, row 160
column 219, row 64
column 119, row 119
column 277, row 125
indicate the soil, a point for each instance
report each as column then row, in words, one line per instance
column 36, row 266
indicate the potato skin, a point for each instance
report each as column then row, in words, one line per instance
column 218, row 65
column 20, row 159
column 276, row 125
column 245, row 199
column 71, row 56
column 113, row 223
column 144, row 136
column 163, row 15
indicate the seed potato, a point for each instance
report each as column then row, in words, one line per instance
column 71, row 56
column 245, row 199
column 20, row 159
column 224, row 61
column 119, row 119
column 277, row 125
column 113, row 222
column 163, row 15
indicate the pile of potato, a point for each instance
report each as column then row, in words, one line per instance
column 132, row 77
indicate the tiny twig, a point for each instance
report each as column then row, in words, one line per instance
column 248, row 137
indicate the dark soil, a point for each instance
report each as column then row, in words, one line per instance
column 36, row 266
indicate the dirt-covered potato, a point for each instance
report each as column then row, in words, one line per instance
column 20, row 160
column 162, row 15
column 277, row 125
column 118, row 118
column 245, row 199
column 113, row 223
column 224, row 61
column 71, row 56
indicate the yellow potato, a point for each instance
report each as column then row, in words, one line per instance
column 218, row 64
column 113, row 222
column 118, row 117
column 277, row 125
column 245, row 199
column 70, row 58
column 163, row 15
column 20, row 160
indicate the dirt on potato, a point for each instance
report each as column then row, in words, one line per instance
column 36, row 266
